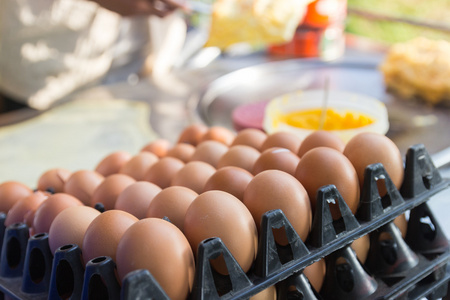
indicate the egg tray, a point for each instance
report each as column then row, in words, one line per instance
column 411, row 268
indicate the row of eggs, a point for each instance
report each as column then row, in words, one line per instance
column 212, row 182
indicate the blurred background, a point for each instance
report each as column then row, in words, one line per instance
column 390, row 21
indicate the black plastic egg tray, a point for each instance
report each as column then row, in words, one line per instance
column 414, row 267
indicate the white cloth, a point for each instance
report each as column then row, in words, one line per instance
column 50, row 48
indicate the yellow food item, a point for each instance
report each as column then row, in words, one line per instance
column 256, row 22
column 334, row 120
column 419, row 68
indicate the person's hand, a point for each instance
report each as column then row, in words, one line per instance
column 159, row 8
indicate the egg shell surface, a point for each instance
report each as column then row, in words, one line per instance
column 160, row 247
column 220, row 214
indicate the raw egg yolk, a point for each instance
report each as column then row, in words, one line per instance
column 334, row 120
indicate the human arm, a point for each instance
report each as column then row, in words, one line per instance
column 160, row 8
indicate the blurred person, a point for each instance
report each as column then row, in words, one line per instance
column 51, row 48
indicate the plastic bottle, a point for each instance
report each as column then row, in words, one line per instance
column 320, row 34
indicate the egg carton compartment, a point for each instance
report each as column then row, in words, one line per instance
column 413, row 267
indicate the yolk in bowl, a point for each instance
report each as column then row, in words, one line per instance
column 334, row 120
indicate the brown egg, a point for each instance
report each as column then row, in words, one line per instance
column 321, row 138
column 276, row 158
column 369, row 148
column 239, row 156
column 209, row 152
column 250, row 137
column 104, row 233
column 316, row 274
column 11, row 192
column 220, row 214
column 161, row 248
column 282, row 139
column 53, row 180
column 24, row 206
column 136, row 198
column 323, row 166
column 28, row 220
column 172, row 202
column 192, row 134
column 159, row 147
column 82, row 184
column 49, row 209
column 220, row 134
column 193, row 175
column 139, row 164
column 112, row 163
column 182, row 151
column 361, row 247
column 110, row 188
column 162, row 172
column 70, row 225
column 401, row 224
column 233, row 180
column 270, row 293
column 275, row 189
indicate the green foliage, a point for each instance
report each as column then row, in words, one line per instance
column 432, row 11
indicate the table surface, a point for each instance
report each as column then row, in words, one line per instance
column 179, row 98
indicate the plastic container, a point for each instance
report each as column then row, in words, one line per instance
column 340, row 101
column 410, row 268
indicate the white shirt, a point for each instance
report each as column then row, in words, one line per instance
column 50, row 48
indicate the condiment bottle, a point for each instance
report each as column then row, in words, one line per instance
column 320, row 34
